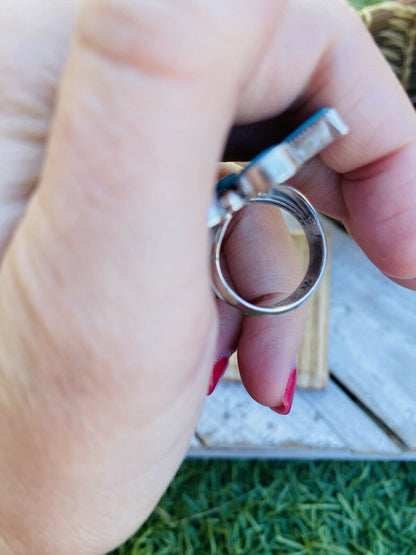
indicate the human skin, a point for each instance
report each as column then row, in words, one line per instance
column 108, row 326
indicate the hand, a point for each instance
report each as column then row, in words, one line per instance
column 108, row 327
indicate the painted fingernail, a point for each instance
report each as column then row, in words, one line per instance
column 287, row 397
column 218, row 371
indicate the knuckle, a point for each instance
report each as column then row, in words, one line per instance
column 185, row 38
column 153, row 37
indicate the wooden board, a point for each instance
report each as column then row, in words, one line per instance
column 312, row 359
column 368, row 409
column 373, row 339
column 317, row 423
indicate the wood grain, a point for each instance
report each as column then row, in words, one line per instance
column 319, row 422
column 312, row 360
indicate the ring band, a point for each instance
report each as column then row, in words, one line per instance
column 296, row 204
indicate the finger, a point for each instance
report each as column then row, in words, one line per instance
column 229, row 321
column 229, row 318
column 375, row 194
column 264, row 266
column 352, row 199
column 340, row 195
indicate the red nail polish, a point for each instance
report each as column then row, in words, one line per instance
column 218, row 371
column 287, row 397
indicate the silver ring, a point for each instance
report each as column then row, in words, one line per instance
column 296, row 204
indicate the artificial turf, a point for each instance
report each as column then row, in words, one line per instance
column 282, row 508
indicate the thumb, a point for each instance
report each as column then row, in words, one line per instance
column 105, row 292
column 140, row 123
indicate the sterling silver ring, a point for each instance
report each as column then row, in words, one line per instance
column 264, row 180
column 294, row 203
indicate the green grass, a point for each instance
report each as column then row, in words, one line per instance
column 362, row 3
column 296, row 508
column 284, row 508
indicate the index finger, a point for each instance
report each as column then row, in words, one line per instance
column 368, row 179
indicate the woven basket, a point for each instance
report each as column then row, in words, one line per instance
column 393, row 27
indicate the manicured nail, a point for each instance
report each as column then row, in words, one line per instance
column 218, row 371
column 287, row 397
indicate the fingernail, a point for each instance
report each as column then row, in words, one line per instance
column 287, row 397
column 218, row 371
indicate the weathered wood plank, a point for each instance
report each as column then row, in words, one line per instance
column 319, row 421
column 312, row 359
column 285, row 453
column 372, row 342
column 349, row 422
column 232, row 418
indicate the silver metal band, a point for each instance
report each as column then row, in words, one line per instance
column 289, row 199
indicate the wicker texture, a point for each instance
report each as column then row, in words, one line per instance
column 393, row 27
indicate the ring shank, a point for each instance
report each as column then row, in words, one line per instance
column 289, row 199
